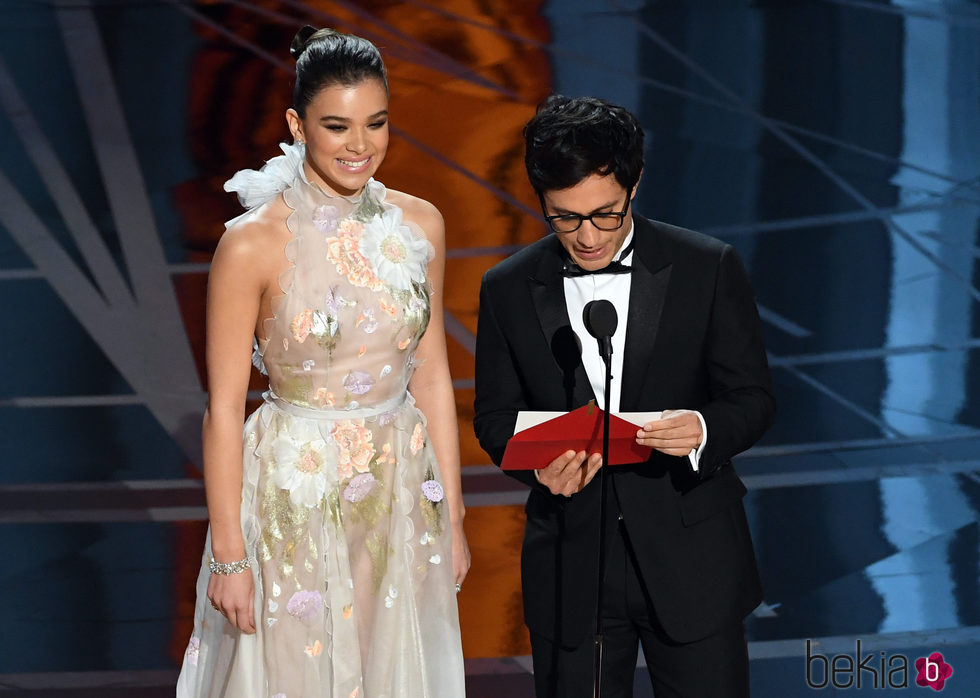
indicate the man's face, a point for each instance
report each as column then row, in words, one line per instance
column 589, row 247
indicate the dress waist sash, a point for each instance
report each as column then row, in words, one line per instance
column 335, row 415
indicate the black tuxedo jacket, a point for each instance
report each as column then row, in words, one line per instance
column 693, row 341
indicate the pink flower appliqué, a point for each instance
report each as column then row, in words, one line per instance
column 351, row 229
column 305, row 605
column 346, row 256
column 354, row 448
column 433, row 491
column 301, row 325
column 385, row 455
column 933, row 671
column 323, row 397
column 388, row 307
column 359, row 487
column 418, row 439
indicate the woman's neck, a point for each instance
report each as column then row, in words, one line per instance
column 314, row 177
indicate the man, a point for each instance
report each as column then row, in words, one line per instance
column 680, row 572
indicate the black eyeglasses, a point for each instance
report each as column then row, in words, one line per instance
column 570, row 222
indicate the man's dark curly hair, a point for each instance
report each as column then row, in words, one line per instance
column 570, row 139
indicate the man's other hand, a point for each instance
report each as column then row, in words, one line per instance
column 569, row 472
column 676, row 433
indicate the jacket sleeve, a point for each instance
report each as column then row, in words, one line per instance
column 499, row 393
column 741, row 406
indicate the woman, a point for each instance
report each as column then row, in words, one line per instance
column 336, row 541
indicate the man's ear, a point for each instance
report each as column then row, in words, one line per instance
column 636, row 186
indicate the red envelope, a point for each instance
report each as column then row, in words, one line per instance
column 578, row 430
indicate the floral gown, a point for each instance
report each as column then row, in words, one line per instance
column 342, row 502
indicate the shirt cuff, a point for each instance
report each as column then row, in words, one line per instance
column 695, row 455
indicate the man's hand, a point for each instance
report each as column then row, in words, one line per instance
column 569, row 472
column 676, row 433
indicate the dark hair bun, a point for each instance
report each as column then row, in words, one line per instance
column 300, row 40
column 327, row 57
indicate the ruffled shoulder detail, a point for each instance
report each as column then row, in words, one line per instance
column 256, row 187
column 376, row 190
column 257, row 360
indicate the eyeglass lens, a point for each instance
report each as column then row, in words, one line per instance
column 602, row 221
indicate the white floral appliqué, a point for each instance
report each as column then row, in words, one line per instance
column 398, row 257
column 300, row 452
column 193, row 651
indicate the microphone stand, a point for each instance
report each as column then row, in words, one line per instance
column 605, row 348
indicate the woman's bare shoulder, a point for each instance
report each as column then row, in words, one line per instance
column 418, row 211
column 254, row 239
column 252, row 249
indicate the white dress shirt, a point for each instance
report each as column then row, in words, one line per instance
column 615, row 288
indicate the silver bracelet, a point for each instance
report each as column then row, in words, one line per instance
column 229, row 567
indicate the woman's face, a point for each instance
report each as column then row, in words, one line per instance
column 346, row 134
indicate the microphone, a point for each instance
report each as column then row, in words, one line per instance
column 600, row 320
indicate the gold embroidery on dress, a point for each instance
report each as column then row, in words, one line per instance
column 377, row 547
column 288, row 558
column 295, row 387
column 372, row 508
column 326, row 330
column 333, row 508
column 284, row 526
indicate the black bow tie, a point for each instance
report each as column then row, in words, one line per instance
column 571, row 269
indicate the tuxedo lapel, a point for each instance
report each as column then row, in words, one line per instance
column 547, row 290
column 648, row 290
